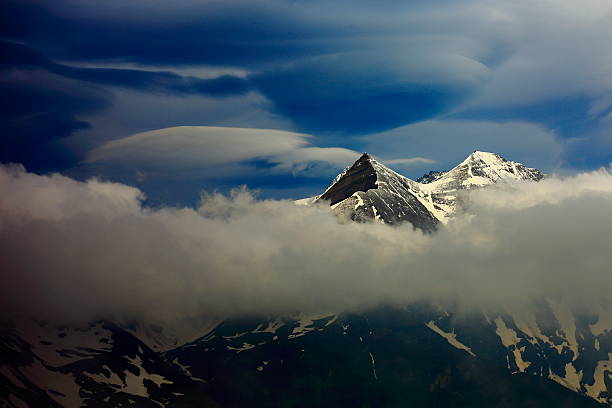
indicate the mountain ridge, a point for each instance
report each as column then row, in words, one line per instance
column 368, row 190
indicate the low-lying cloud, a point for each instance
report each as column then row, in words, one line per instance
column 74, row 251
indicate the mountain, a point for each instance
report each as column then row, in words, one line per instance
column 368, row 190
column 420, row 355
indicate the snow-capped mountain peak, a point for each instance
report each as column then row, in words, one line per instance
column 482, row 169
column 370, row 190
column 487, row 157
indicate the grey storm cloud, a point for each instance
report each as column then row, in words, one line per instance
column 74, row 251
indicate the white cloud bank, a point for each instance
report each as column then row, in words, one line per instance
column 80, row 250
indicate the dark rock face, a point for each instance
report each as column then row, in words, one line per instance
column 361, row 176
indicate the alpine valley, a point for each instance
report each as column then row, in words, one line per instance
column 417, row 355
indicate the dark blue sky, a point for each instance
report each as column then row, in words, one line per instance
column 106, row 88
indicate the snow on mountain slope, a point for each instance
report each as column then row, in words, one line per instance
column 166, row 338
column 481, row 169
column 544, row 344
column 478, row 170
column 99, row 365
